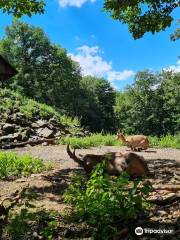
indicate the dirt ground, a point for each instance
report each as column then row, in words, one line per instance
column 49, row 186
column 59, row 153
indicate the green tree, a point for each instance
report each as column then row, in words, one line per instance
column 22, row 7
column 97, row 101
column 151, row 105
column 45, row 72
column 142, row 16
column 169, row 94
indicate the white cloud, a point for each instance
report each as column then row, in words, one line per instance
column 174, row 68
column 73, row 3
column 93, row 64
column 113, row 75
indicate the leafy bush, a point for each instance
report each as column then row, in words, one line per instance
column 13, row 165
column 96, row 140
column 103, row 201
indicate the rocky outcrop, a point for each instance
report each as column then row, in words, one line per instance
column 16, row 128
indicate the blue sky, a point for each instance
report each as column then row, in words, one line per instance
column 102, row 46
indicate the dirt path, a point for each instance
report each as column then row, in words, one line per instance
column 59, row 153
column 49, row 186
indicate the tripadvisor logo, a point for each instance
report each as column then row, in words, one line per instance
column 138, row 231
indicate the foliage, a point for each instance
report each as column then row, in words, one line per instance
column 43, row 224
column 97, row 101
column 45, row 72
column 10, row 100
column 176, row 35
column 48, row 75
column 103, row 202
column 142, row 16
column 151, row 105
column 21, row 7
column 13, row 165
column 96, row 140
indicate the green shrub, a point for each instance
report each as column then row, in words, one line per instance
column 13, row 165
column 102, row 200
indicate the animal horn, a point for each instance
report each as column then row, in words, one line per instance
column 73, row 156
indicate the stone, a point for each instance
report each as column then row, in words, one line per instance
column 44, row 144
column 34, row 125
column 11, row 137
column 46, row 133
column 8, row 128
column 42, row 123
column 80, row 134
column 58, row 134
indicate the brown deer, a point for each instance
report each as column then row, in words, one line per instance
column 118, row 162
column 135, row 142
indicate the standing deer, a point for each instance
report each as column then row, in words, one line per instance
column 135, row 142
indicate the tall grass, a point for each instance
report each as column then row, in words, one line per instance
column 96, row 140
column 13, row 165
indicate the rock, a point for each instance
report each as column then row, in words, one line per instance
column 80, row 134
column 46, row 133
column 27, row 132
column 34, row 125
column 58, row 134
column 42, row 123
column 44, row 144
column 11, row 137
column 161, row 213
column 8, row 128
column 55, row 122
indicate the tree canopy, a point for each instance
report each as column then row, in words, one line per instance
column 151, row 105
column 142, row 16
column 22, row 7
column 47, row 74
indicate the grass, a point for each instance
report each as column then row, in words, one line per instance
column 30, row 108
column 13, row 165
column 96, row 140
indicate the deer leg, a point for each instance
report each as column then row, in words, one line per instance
column 143, row 145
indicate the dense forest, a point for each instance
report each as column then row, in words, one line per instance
column 47, row 74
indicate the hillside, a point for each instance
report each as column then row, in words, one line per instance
column 25, row 120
